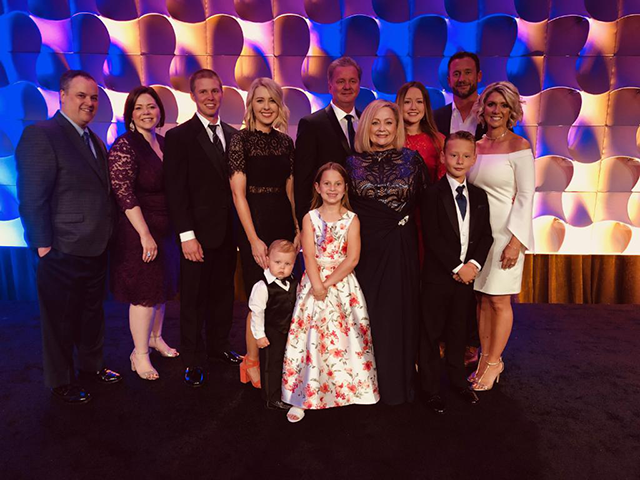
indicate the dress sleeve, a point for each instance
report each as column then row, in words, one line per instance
column 237, row 161
column 520, row 221
column 123, row 170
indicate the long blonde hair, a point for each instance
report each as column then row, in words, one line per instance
column 363, row 135
column 316, row 199
column 281, row 123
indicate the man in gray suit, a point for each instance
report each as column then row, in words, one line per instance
column 68, row 216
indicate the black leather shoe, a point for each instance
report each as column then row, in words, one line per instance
column 72, row 394
column 194, row 376
column 468, row 395
column 278, row 405
column 105, row 376
column 230, row 357
column 435, row 403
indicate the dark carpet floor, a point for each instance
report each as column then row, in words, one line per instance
column 567, row 407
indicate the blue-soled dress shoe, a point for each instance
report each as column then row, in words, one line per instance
column 230, row 357
column 71, row 394
column 194, row 376
column 435, row 403
column 105, row 376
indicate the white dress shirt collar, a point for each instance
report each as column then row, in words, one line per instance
column 206, row 122
column 340, row 114
column 272, row 278
column 454, row 184
column 469, row 125
column 75, row 125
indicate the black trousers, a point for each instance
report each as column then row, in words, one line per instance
column 271, row 360
column 206, row 300
column 445, row 313
column 70, row 294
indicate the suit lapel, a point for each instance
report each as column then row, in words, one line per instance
column 212, row 154
column 473, row 205
column 449, row 207
column 337, row 129
column 77, row 141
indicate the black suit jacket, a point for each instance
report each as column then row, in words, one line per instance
column 320, row 140
column 197, row 182
column 442, row 117
column 64, row 192
column 441, row 234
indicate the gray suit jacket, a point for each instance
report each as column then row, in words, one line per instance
column 64, row 192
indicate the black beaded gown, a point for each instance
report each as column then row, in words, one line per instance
column 137, row 179
column 385, row 190
column 267, row 161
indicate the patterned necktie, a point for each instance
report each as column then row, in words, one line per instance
column 350, row 129
column 216, row 139
column 461, row 201
column 87, row 141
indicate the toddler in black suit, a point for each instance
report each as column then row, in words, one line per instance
column 457, row 238
column 271, row 303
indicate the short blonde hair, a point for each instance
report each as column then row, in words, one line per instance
column 511, row 95
column 363, row 137
column 281, row 122
column 282, row 246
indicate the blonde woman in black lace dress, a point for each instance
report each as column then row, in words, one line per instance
column 261, row 170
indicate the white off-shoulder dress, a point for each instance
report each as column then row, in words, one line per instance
column 509, row 180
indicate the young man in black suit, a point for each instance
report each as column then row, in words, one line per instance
column 328, row 134
column 457, row 239
column 68, row 216
column 201, row 209
column 463, row 76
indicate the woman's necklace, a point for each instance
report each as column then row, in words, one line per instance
column 493, row 139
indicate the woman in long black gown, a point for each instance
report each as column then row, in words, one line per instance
column 387, row 181
column 261, row 169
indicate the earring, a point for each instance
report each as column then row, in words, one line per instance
column 132, row 126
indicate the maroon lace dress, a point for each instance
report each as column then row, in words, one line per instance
column 136, row 174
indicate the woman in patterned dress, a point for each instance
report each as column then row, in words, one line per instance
column 144, row 256
column 329, row 358
column 261, row 170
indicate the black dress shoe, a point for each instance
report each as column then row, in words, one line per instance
column 468, row 395
column 194, row 376
column 278, row 405
column 230, row 357
column 435, row 403
column 72, row 394
column 105, row 376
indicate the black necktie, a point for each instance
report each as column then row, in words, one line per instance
column 350, row 129
column 216, row 139
column 87, row 141
column 461, row 201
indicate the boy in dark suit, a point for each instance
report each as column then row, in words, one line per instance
column 457, row 239
column 271, row 303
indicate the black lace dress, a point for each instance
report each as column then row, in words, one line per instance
column 136, row 174
column 267, row 161
column 385, row 190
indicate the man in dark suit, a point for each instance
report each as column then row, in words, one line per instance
column 328, row 134
column 463, row 77
column 68, row 216
column 201, row 209
column 457, row 239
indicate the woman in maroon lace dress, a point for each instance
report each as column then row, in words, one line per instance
column 144, row 257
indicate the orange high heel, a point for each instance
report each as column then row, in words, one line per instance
column 246, row 364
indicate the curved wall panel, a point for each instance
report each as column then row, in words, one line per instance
column 576, row 62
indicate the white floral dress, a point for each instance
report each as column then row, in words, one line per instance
column 329, row 356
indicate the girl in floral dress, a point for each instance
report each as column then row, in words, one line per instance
column 329, row 356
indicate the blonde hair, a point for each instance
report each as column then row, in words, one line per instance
column 510, row 94
column 363, row 135
column 316, row 199
column 281, row 122
column 282, row 246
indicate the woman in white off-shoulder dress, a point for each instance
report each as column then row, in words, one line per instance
column 505, row 170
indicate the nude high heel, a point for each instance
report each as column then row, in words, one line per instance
column 169, row 352
column 483, row 387
column 472, row 378
column 151, row 374
column 246, row 364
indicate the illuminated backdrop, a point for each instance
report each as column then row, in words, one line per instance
column 577, row 62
